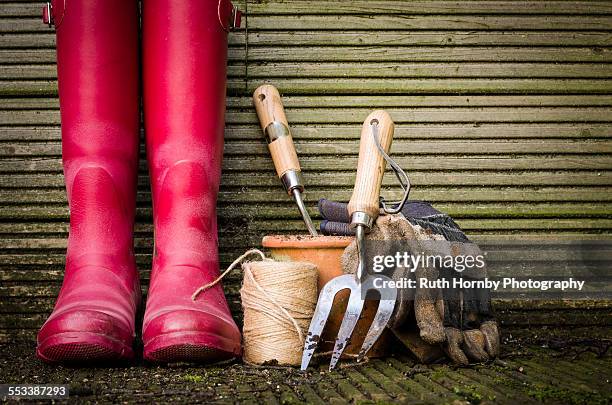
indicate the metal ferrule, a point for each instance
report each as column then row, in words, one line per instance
column 292, row 179
column 363, row 219
column 48, row 15
column 236, row 18
column 361, row 252
column 275, row 130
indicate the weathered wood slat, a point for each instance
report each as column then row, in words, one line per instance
column 252, row 195
column 408, row 100
column 53, row 270
column 236, row 245
column 33, row 8
column 366, row 38
column 356, row 115
column 369, row 101
column 384, row 22
column 54, row 260
column 389, row 86
column 19, row 40
column 15, row 56
column 230, row 212
column 427, row 147
column 374, row 53
column 445, row 194
column 497, row 270
column 407, row 131
column 426, row 22
column 532, row 259
column 383, row 70
column 34, row 291
column 423, row 38
column 24, row 25
column 252, row 229
column 271, row 8
column 428, row 86
column 474, row 162
column 343, row 179
column 49, row 71
column 579, row 255
column 435, row 54
column 49, row 87
column 233, row 245
column 387, row 70
column 346, row 179
column 339, row 147
column 502, row 250
column 28, row 103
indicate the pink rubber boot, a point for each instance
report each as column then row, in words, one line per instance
column 97, row 61
column 184, row 68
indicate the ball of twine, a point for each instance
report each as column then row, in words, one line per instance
column 278, row 300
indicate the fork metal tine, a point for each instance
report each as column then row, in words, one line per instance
column 382, row 317
column 319, row 319
column 353, row 311
column 351, row 317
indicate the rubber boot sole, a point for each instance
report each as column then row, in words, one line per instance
column 78, row 347
column 191, row 347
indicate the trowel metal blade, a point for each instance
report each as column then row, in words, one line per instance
column 297, row 196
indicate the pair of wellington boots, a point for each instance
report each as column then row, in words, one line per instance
column 184, row 55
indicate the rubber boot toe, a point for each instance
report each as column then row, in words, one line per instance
column 84, row 335
column 190, row 335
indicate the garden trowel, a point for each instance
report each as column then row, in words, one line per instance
column 272, row 118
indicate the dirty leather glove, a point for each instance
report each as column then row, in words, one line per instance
column 469, row 325
column 459, row 319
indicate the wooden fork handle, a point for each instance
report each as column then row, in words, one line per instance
column 371, row 164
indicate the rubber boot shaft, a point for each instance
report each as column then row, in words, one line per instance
column 97, row 62
column 184, row 72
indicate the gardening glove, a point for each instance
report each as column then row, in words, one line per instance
column 471, row 331
column 461, row 319
column 336, row 219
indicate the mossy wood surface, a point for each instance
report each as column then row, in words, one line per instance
column 503, row 114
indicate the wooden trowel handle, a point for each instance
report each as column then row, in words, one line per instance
column 273, row 122
column 371, row 164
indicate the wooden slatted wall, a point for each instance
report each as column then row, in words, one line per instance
column 502, row 109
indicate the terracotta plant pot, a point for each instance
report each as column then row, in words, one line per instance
column 325, row 253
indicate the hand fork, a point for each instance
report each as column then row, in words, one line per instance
column 363, row 208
